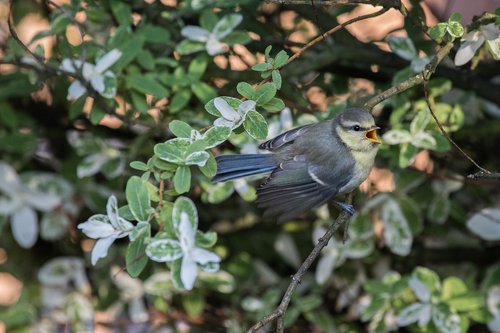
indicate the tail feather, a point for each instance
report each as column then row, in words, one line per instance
column 236, row 166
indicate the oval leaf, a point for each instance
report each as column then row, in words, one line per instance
column 255, row 125
column 138, row 198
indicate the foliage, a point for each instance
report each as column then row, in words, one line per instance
column 127, row 120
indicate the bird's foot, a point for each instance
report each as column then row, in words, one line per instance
column 348, row 208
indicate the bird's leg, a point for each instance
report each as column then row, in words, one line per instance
column 346, row 207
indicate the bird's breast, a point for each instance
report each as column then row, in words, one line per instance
column 363, row 163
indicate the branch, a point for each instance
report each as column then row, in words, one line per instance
column 412, row 81
column 385, row 3
column 279, row 313
column 485, row 175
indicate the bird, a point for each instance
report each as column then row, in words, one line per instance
column 310, row 165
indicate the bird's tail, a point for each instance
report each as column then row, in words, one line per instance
column 236, row 166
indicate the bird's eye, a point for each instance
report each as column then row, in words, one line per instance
column 357, row 128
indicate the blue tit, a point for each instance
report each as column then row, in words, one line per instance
column 309, row 165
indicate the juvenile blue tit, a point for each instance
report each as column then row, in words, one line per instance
column 309, row 165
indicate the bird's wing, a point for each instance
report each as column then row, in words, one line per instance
column 284, row 138
column 297, row 186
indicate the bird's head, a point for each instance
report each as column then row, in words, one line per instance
column 357, row 129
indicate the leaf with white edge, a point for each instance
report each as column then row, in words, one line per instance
column 438, row 31
column 138, row 198
column 455, row 29
column 245, row 90
column 264, row 93
column 397, row 233
column 210, row 168
column 486, row 224
column 164, row 250
column 410, row 314
column 198, row 158
column 226, row 25
column 141, row 229
column 53, row 226
column 407, row 154
column 420, row 289
column 184, row 205
column 24, row 226
column 180, row 129
column 90, row 165
column 492, row 34
column 403, row 47
column 212, row 109
column 468, row 48
column 424, row 140
column 216, row 135
column 255, row 125
column 429, row 278
column 445, row 319
column 396, row 136
column 420, row 121
column 175, row 268
column 173, row 150
column 182, row 179
column 189, row 272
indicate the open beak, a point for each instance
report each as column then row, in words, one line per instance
column 371, row 135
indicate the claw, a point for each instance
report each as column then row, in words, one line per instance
column 346, row 207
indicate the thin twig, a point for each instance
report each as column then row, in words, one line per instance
column 385, row 3
column 334, row 30
column 446, row 135
column 484, row 175
column 279, row 313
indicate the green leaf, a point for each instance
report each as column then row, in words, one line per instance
column 146, row 85
column 173, row 150
column 274, row 105
column 245, row 90
column 438, row 31
column 208, row 19
column 210, row 168
column 138, row 165
column 136, row 258
column 439, row 209
column 182, row 179
column 455, row 17
column 237, row 37
column 281, row 59
column 445, row 319
column 210, row 107
column 407, row 155
column 180, row 100
column 264, row 93
column 184, row 205
column 154, row 34
column 122, row 12
column 216, row 135
column 164, row 250
column 227, row 24
column 138, row 198
column 453, row 286
column 198, row 66
column 59, row 23
column 429, row 278
column 146, row 60
column 188, row 47
column 180, row 129
column 130, row 49
column 219, row 192
column 193, row 303
column 139, row 102
column 203, row 91
column 198, row 158
column 262, row 67
column 206, row 239
column 196, row 146
column 96, row 114
column 276, row 78
column 424, row 140
column 255, row 125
